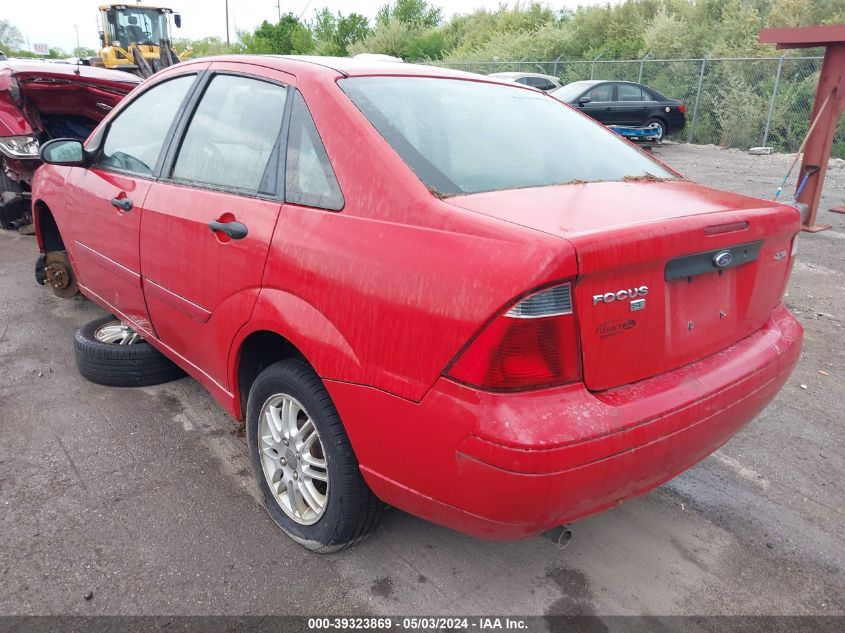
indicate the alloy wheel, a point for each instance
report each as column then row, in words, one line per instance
column 117, row 333
column 293, row 459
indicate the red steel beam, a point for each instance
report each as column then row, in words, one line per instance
column 831, row 89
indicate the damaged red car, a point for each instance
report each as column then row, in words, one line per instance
column 420, row 287
column 40, row 101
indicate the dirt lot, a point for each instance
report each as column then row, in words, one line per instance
column 144, row 497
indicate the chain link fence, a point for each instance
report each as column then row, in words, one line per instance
column 739, row 102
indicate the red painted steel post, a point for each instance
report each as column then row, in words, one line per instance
column 828, row 106
column 820, row 143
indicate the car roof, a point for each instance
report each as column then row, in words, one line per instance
column 595, row 82
column 520, row 74
column 347, row 66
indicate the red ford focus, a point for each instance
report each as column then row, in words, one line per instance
column 419, row 287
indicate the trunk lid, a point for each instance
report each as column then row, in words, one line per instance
column 650, row 296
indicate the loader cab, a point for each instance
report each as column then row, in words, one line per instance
column 124, row 24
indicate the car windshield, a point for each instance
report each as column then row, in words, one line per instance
column 463, row 137
column 571, row 91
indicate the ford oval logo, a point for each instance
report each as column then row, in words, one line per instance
column 723, row 259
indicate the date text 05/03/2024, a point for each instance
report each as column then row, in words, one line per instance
column 418, row 623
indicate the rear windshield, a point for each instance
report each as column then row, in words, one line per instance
column 569, row 92
column 463, row 137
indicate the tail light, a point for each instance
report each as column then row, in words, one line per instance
column 534, row 344
column 682, row 108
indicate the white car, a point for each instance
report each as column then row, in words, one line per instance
column 535, row 80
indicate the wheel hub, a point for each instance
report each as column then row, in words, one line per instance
column 290, row 459
column 117, row 333
column 57, row 276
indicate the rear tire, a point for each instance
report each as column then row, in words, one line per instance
column 346, row 510
column 663, row 131
column 116, row 364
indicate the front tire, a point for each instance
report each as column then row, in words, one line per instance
column 303, row 461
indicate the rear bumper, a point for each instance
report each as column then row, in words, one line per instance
column 676, row 123
column 512, row 465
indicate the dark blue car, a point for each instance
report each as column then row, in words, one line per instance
column 624, row 103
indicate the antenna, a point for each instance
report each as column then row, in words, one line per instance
column 227, row 22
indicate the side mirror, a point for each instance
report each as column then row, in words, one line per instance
column 102, row 39
column 63, row 151
column 177, row 20
column 584, row 100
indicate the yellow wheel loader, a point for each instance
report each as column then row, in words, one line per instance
column 136, row 38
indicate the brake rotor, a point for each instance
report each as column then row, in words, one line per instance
column 59, row 275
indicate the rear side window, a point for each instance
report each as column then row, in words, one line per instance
column 309, row 178
column 137, row 134
column 650, row 95
column 232, row 134
column 627, row 92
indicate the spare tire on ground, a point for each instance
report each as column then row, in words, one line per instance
column 113, row 354
column 13, row 211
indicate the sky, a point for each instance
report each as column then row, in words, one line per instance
column 53, row 22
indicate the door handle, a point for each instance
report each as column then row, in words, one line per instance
column 124, row 204
column 235, row 230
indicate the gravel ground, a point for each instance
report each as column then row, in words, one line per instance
column 142, row 499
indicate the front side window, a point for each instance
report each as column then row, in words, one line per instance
column 450, row 132
column 232, row 134
column 601, row 94
column 137, row 134
column 628, row 92
column 310, row 179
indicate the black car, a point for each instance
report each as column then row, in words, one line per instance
column 624, row 103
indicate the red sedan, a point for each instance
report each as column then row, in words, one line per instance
column 419, row 287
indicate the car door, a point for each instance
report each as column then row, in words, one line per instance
column 599, row 103
column 630, row 107
column 209, row 220
column 107, row 199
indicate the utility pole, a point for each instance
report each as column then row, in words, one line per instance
column 77, row 38
column 227, row 22
column 279, row 7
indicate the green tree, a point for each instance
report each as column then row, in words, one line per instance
column 203, row 47
column 390, row 39
column 334, row 33
column 83, row 53
column 289, row 36
column 10, row 36
column 418, row 13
